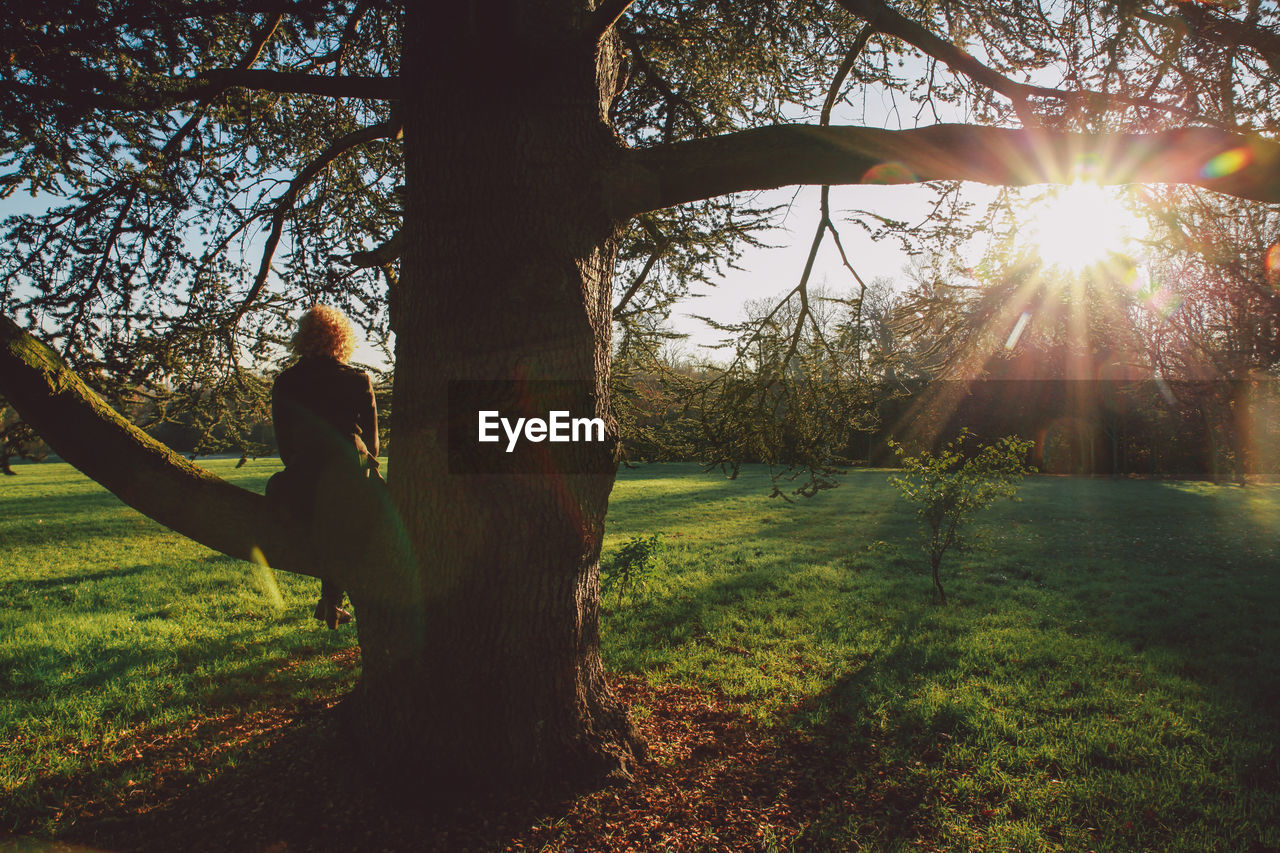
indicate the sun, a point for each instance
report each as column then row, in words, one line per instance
column 1081, row 225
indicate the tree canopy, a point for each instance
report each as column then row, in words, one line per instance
column 187, row 151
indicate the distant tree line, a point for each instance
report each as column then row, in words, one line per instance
column 17, row 439
column 1168, row 368
column 877, row 366
column 1164, row 368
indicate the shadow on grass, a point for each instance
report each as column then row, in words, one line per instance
column 279, row 779
column 1163, row 568
column 31, row 670
column 1209, row 606
column 716, row 782
column 1188, row 579
column 10, row 590
column 1100, row 594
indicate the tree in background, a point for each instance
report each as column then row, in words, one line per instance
column 953, row 485
column 1214, row 336
column 795, row 392
column 468, row 177
column 17, row 439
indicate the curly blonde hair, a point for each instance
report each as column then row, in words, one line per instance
column 324, row 331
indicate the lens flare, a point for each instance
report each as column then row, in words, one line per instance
column 266, row 577
column 1154, row 296
column 889, row 173
column 1227, row 163
column 1273, row 265
column 1012, row 340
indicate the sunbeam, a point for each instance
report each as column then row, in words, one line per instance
column 1080, row 225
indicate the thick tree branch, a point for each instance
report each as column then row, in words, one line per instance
column 284, row 82
column 382, row 255
column 1213, row 26
column 783, row 155
column 143, row 473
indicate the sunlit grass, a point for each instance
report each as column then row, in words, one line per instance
column 111, row 625
column 1104, row 677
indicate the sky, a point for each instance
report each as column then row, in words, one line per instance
column 769, row 272
column 766, row 272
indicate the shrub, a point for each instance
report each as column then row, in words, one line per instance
column 951, row 486
column 635, row 563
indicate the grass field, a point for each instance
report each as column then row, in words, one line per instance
column 1105, row 677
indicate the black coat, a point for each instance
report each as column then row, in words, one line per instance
column 324, row 412
column 327, row 431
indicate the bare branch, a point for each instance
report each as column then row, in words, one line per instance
column 673, row 98
column 842, row 73
column 783, row 155
column 114, row 96
column 891, row 22
column 639, row 281
column 286, row 201
column 824, row 219
column 349, row 33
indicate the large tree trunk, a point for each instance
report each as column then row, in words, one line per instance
column 481, row 658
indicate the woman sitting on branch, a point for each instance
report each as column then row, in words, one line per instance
column 326, row 424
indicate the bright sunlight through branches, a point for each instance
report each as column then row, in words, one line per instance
column 1082, row 224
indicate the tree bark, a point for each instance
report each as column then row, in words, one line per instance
column 768, row 157
column 481, row 655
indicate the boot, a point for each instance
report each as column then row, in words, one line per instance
column 336, row 616
column 331, row 614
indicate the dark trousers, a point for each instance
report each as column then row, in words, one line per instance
column 330, row 593
column 341, row 506
column 297, row 490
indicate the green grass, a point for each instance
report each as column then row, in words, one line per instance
column 113, row 627
column 1105, row 676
